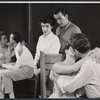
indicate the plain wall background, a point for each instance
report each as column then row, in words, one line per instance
column 86, row 16
column 15, row 17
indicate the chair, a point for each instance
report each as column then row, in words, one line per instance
column 32, row 48
column 46, row 63
column 27, row 88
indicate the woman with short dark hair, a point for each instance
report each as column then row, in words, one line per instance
column 48, row 42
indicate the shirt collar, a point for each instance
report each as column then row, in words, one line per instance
column 49, row 35
column 17, row 47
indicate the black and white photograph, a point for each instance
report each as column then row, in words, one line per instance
column 50, row 50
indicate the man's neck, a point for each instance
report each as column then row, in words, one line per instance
column 67, row 24
column 15, row 44
column 83, row 55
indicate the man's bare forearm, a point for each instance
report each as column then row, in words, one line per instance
column 65, row 69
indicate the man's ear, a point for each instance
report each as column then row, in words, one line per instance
column 51, row 27
column 77, row 53
column 66, row 51
column 66, row 16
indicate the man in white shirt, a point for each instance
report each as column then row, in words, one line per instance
column 23, row 67
column 88, row 74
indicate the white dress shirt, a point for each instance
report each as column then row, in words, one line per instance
column 88, row 76
column 48, row 44
column 23, row 59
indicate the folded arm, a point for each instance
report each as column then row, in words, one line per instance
column 60, row 68
column 83, row 77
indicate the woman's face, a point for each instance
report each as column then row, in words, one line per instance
column 46, row 28
column 11, row 38
column 4, row 39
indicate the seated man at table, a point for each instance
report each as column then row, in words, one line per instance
column 88, row 73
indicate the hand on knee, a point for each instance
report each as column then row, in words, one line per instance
column 11, row 95
column 51, row 75
column 37, row 71
column 55, row 66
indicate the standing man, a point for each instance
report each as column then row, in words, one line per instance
column 66, row 27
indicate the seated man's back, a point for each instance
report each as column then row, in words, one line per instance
column 93, row 88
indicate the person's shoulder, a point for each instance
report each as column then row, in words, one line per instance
column 89, row 61
column 25, row 47
column 87, row 64
column 26, row 50
column 41, row 36
column 76, row 28
column 55, row 36
column 74, row 25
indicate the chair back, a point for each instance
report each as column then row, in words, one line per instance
column 46, row 63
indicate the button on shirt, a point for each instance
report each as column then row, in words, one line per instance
column 88, row 76
column 25, row 58
column 48, row 44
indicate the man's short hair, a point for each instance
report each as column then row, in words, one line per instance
column 62, row 10
column 80, row 42
column 17, row 37
column 47, row 19
column 1, row 34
